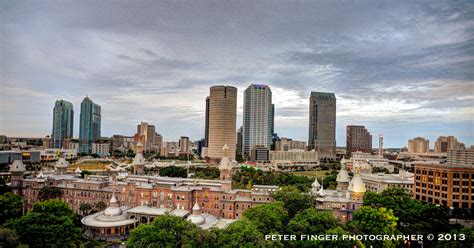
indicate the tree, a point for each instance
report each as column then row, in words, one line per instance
column 130, row 153
column 47, row 193
column 8, row 238
column 311, row 221
column 4, row 187
column 414, row 217
column 375, row 221
column 99, row 206
column 243, row 233
column 293, row 200
column 84, row 173
column 11, row 206
column 85, row 208
column 169, row 231
column 48, row 224
column 173, row 171
column 268, row 218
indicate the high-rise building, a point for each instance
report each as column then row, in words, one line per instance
column 257, row 125
column 148, row 132
column 380, row 145
column 358, row 139
column 222, row 122
column 445, row 143
column 89, row 128
column 418, row 145
column 63, row 122
column 322, row 124
column 239, row 142
column 184, row 144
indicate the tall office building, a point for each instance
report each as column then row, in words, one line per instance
column 445, row 143
column 89, row 128
column 358, row 139
column 419, row 145
column 239, row 142
column 63, row 122
column 184, row 146
column 322, row 124
column 222, row 122
column 147, row 133
column 257, row 125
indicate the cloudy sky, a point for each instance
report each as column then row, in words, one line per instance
column 403, row 69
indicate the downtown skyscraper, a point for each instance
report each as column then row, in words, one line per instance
column 63, row 122
column 222, row 119
column 89, row 128
column 358, row 138
column 257, row 128
column 322, row 124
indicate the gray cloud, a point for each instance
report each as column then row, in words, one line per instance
column 404, row 68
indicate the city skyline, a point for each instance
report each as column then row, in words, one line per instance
column 394, row 78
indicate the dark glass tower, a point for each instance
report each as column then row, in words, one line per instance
column 89, row 130
column 322, row 124
column 63, row 122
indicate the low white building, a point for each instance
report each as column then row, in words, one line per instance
column 367, row 160
column 378, row 182
column 102, row 149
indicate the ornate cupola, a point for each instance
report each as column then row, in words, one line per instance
column 139, row 160
column 61, row 166
column 342, row 178
column 356, row 185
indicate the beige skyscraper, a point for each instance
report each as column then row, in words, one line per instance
column 445, row 143
column 419, row 145
column 222, row 121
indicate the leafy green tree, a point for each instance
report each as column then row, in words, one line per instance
column 376, row 221
column 130, row 153
column 8, row 238
column 47, row 193
column 293, row 200
column 85, row 208
column 268, row 218
column 11, row 206
column 84, row 173
column 173, row 171
column 414, row 217
column 169, row 231
column 311, row 221
column 243, row 233
column 49, row 224
column 4, row 187
column 99, row 206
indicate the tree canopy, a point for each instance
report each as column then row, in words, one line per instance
column 173, row 171
column 268, row 218
column 376, row 221
column 49, row 224
column 294, row 201
column 169, row 231
column 11, row 206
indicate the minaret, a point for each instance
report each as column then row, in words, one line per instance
column 139, row 160
column 356, row 185
column 61, row 166
column 381, row 145
column 17, row 169
column 342, row 178
column 225, row 169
